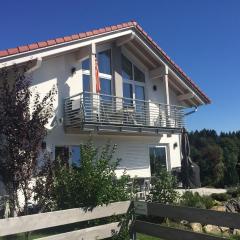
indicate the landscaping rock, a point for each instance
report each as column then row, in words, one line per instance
column 184, row 222
column 196, row 227
column 219, row 208
column 225, row 231
column 233, row 205
column 236, row 232
column 212, row 229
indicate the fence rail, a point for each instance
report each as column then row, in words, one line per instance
column 40, row 221
column 16, row 225
column 231, row 220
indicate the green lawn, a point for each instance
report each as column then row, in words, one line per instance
column 145, row 237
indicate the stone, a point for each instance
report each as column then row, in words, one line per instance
column 236, row 232
column 219, row 208
column 196, row 227
column 184, row 222
column 225, row 231
column 212, row 229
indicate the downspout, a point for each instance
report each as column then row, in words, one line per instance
column 36, row 66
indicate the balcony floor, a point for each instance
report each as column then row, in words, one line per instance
column 120, row 129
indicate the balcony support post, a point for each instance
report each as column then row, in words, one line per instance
column 166, row 85
column 93, row 68
column 95, row 101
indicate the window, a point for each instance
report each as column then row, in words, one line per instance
column 75, row 155
column 158, row 158
column 104, row 62
column 86, row 64
column 139, row 92
column 133, row 81
column 127, row 93
column 62, row 155
column 86, row 83
column 134, row 88
column 105, row 72
column 68, row 155
column 126, row 69
column 138, row 75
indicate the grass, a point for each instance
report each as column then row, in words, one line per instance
column 145, row 237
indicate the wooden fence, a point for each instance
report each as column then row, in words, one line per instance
column 40, row 221
column 231, row 220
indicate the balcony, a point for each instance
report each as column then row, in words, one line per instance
column 106, row 113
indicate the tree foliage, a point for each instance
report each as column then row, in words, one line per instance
column 163, row 189
column 91, row 184
column 217, row 155
column 23, row 117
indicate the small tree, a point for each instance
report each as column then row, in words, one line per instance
column 92, row 183
column 164, row 188
column 22, row 129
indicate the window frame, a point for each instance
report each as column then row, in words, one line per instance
column 69, row 147
column 133, row 82
column 167, row 153
column 101, row 75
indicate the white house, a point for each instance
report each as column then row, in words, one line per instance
column 141, row 103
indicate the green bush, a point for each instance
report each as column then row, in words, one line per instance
column 190, row 199
column 93, row 183
column 163, row 188
column 221, row 197
column 234, row 192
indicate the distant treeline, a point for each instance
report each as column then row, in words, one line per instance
column 218, row 156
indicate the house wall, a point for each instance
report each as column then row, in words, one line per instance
column 133, row 150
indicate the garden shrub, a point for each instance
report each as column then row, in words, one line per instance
column 93, row 183
column 163, row 188
column 190, row 199
column 221, row 197
column 234, row 192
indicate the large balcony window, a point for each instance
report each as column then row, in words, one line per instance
column 105, row 72
column 133, row 81
column 133, row 89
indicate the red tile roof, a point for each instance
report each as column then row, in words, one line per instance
column 133, row 24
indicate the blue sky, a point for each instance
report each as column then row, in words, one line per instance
column 203, row 37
